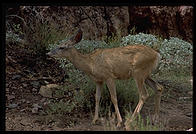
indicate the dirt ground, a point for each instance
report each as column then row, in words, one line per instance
column 175, row 116
column 26, row 73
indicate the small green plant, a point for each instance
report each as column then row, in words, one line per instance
column 12, row 37
column 61, row 107
column 65, row 101
column 139, row 124
column 35, row 31
column 110, row 123
column 133, row 30
column 14, row 31
column 40, row 35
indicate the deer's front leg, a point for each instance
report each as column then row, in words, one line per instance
column 97, row 99
column 112, row 88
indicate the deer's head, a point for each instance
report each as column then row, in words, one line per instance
column 64, row 49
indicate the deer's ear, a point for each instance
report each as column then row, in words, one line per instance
column 77, row 38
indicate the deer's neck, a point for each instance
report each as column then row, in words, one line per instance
column 80, row 61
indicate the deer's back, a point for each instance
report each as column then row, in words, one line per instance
column 122, row 62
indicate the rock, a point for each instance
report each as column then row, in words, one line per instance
column 91, row 19
column 35, row 84
column 10, row 97
column 45, row 103
column 190, row 93
column 189, row 114
column 163, row 20
column 14, row 87
column 24, row 85
column 37, row 106
column 28, row 102
column 46, row 82
column 191, row 80
column 35, row 110
column 42, row 100
column 12, row 106
column 16, row 77
column 34, row 90
column 52, row 86
column 191, row 129
column 47, row 91
column 184, row 98
column 6, row 85
column 7, row 90
column 22, row 110
column 23, row 100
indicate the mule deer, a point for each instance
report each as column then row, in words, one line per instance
column 106, row 65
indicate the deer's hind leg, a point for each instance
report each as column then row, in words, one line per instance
column 143, row 95
column 158, row 92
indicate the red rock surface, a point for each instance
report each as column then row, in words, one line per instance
column 100, row 21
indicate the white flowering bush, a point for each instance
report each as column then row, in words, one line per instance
column 175, row 53
column 141, row 38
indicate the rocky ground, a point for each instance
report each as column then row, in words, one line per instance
column 26, row 73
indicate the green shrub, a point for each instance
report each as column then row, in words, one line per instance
column 14, row 31
column 12, row 37
column 40, row 35
column 36, row 31
column 65, row 100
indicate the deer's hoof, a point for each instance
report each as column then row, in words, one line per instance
column 127, row 128
column 127, row 124
column 94, row 121
column 155, row 119
column 119, row 124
